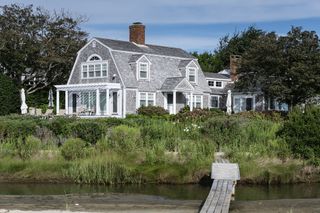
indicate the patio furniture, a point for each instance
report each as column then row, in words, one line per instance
column 38, row 111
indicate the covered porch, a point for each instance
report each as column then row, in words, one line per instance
column 178, row 93
column 90, row 100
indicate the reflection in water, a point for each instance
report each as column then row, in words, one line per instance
column 183, row 192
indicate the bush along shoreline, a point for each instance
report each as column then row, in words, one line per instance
column 154, row 147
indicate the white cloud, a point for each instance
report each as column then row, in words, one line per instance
column 184, row 11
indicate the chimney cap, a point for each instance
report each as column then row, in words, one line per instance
column 137, row 23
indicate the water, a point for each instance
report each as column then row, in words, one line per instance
column 181, row 192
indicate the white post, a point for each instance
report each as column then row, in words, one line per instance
column 107, row 101
column 124, row 103
column 201, row 101
column 58, row 102
column 97, row 102
column 119, row 104
column 191, row 101
column 174, row 102
column 66, row 104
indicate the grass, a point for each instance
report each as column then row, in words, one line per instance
column 154, row 150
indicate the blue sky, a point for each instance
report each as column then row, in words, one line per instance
column 194, row 25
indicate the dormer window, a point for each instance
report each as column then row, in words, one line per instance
column 143, row 70
column 95, row 67
column 218, row 84
column 192, row 74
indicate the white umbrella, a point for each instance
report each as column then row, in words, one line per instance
column 50, row 98
column 24, row 106
column 229, row 103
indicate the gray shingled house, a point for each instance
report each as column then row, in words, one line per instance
column 115, row 78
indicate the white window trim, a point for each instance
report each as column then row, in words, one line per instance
column 218, row 96
column 147, row 98
column 195, row 74
column 194, row 99
column 94, row 55
column 215, row 82
column 94, row 63
column 148, row 70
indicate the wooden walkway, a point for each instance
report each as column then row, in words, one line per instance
column 225, row 176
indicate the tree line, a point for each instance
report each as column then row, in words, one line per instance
column 286, row 67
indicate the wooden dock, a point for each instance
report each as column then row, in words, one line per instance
column 224, row 175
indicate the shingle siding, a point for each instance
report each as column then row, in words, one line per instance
column 131, row 99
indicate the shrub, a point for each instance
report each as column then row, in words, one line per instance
column 73, row 148
column 28, row 147
column 125, row 138
column 17, row 128
column 59, row 125
column 152, row 111
column 195, row 115
column 89, row 131
column 9, row 96
column 301, row 132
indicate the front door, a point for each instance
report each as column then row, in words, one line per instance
column 170, row 103
column 115, row 102
column 74, row 103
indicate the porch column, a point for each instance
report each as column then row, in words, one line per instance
column 191, row 101
column 165, row 101
column 107, row 101
column 97, row 102
column 124, row 105
column 66, row 102
column 57, row 102
column 174, row 102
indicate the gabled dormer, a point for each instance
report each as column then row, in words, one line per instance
column 141, row 65
column 190, row 70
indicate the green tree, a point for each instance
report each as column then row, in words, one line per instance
column 237, row 44
column 286, row 67
column 38, row 49
column 9, row 96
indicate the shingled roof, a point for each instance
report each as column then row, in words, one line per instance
column 145, row 49
column 215, row 75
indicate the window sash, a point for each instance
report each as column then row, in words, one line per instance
column 192, row 75
column 197, row 101
column 146, row 99
column 94, row 70
column 211, row 83
column 218, row 84
column 214, row 101
column 143, row 69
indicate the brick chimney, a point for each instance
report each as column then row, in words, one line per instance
column 234, row 65
column 137, row 33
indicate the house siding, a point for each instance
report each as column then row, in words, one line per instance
column 131, row 99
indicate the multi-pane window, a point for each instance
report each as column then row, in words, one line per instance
column 218, row 84
column 197, row 101
column 147, row 99
column 143, row 70
column 212, row 83
column 94, row 70
column 214, row 101
column 192, row 75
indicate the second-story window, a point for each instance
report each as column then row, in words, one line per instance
column 192, row 75
column 211, row 83
column 218, row 84
column 143, row 69
column 94, row 68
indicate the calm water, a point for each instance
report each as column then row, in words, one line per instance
column 183, row 192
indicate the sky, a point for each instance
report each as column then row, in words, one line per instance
column 193, row 25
